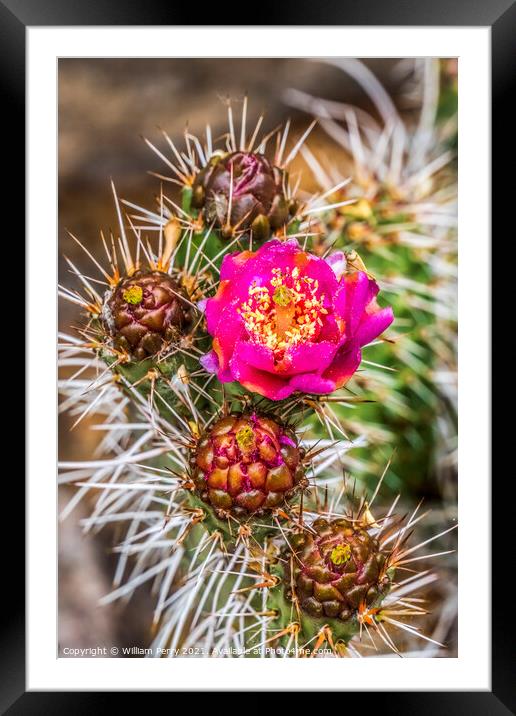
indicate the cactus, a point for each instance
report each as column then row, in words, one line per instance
column 215, row 362
column 401, row 223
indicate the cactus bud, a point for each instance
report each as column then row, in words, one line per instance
column 145, row 312
column 337, row 574
column 247, row 464
column 242, row 190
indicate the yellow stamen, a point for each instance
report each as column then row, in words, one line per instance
column 133, row 295
column 283, row 296
column 288, row 315
column 246, row 439
column 340, row 554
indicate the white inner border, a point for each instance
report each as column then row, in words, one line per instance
column 471, row 670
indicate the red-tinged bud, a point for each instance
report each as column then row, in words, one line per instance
column 247, row 464
column 146, row 312
column 241, row 191
column 338, row 571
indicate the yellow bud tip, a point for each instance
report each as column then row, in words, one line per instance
column 133, row 295
column 340, row 554
column 282, row 296
column 194, row 428
column 361, row 209
column 246, row 439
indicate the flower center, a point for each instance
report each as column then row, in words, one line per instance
column 246, row 439
column 284, row 314
column 340, row 554
column 133, row 295
column 283, row 296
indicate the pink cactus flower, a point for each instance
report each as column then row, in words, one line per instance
column 284, row 320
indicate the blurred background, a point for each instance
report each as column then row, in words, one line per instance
column 105, row 106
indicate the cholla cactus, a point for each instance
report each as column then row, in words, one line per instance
column 214, row 375
column 402, row 225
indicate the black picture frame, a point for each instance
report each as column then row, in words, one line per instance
column 500, row 15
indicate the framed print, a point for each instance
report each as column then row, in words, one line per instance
column 258, row 356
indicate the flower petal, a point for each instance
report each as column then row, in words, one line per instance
column 256, row 355
column 232, row 264
column 228, row 331
column 312, row 383
column 356, row 291
column 215, row 306
column 332, row 330
column 210, row 362
column 373, row 324
column 309, row 358
column 260, row 381
column 344, row 365
column 338, row 263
